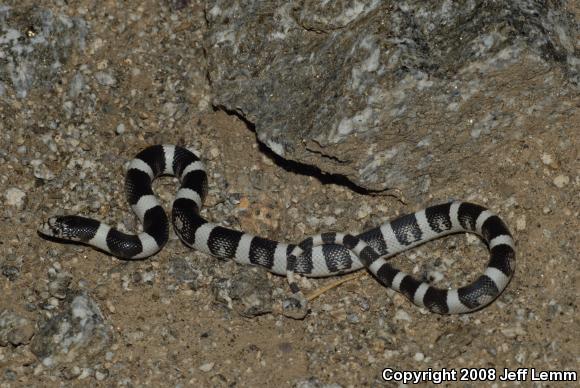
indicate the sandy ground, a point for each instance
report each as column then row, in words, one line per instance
column 174, row 332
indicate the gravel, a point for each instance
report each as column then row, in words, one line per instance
column 72, row 315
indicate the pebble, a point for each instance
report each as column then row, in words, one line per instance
column 435, row 276
column 135, row 336
column 548, row 159
column 10, row 375
column 207, row 366
column 59, row 284
column 110, row 306
column 71, row 373
column 53, row 302
column 561, row 180
column 214, row 153
column 353, row 318
column 402, row 315
column 148, row 277
column 313, row 382
column 364, row 211
column 170, row 108
column 249, row 292
column 100, row 375
column 120, row 129
column 184, row 272
column 329, row 220
column 15, row 197
column 388, row 354
column 11, row 272
column 547, row 233
column 105, row 79
column 14, row 329
column 40, row 170
column 364, row 304
column 521, row 223
column 419, row 357
column 554, row 308
column 86, row 372
column 76, row 85
column 512, row 332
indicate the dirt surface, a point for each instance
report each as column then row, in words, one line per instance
column 65, row 152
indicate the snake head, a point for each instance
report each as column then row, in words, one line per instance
column 51, row 228
column 57, row 227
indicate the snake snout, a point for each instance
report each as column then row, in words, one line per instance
column 49, row 227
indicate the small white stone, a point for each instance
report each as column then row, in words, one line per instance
column 402, row 315
column 561, row 181
column 97, row 44
column 120, row 129
column 435, row 276
column 547, row 159
column 388, row 354
column 15, row 197
column 207, row 367
column 363, row 211
column 110, row 307
column 40, row 170
column 521, row 223
column 419, row 356
column 105, row 79
column 512, row 332
column 86, row 372
column 329, row 220
column 214, row 153
column 148, row 277
column 170, row 108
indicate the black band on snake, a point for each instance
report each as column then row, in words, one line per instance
column 322, row 255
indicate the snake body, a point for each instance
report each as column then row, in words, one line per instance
column 317, row 256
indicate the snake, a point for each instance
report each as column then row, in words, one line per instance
column 325, row 254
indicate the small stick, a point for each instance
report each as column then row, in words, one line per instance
column 316, row 293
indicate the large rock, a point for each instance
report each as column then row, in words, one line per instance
column 390, row 94
column 78, row 335
column 35, row 45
